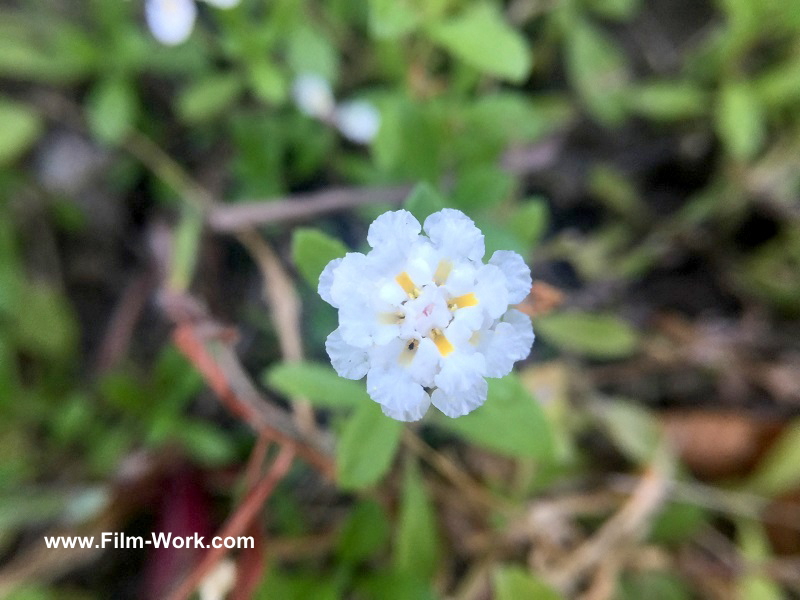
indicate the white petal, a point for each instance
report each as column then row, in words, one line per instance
column 394, row 228
column 425, row 363
column 510, row 341
column 313, row 95
column 491, row 291
column 414, row 413
column 460, row 373
column 351, row 280
column 170, row 21
column 358, row 121
column 517, row 274
column 399, row 396
column 223, row 3
column 391, row 293
column 326, row 281
column 458, row 405
column 461, row 279
column 455, row 234
column 350, row 362
column 361, row 326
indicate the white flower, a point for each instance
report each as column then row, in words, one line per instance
column 219, row 581
column 313, row 96
column 172, row 21
column 423, row 317
column 357, row 120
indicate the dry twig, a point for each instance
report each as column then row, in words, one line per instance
column 239, row 522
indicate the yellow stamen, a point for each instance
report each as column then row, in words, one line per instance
column 408, row 286
column 407, row 355
column 442, row 272
column 462, row 301
column 442, row 343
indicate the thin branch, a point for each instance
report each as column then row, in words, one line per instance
column 454, row 474
column 284, row 305
column 229, row 218
column 239, row 522
column 624, row 526
column 217, row 363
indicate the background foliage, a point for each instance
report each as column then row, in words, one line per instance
column 643, row 157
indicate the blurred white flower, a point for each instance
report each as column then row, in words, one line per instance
column 313, row 96
column 357, row 120
column 172, row 21
column 423, row 317
column 219, row 581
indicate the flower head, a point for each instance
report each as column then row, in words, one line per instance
column 313, row 95
column 423, row 317
column 172, row 21
column 358, row 121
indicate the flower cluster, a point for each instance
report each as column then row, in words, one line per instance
column 357, row 120
column 423, row 317
column 172, row 21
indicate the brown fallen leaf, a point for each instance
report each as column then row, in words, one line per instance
column 719, row 444
column 542, row 299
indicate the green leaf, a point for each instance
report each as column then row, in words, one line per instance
column 755, row 549
column 602, row 336
column 394, row 585
column 267, row 82
column 207, row 444
column 46, row 48
column 510, row 422
column 620, row 10
column 310, row 51
column 616, row 192
column 653, row 584
column 364, row 533
column 770, row 272
column 111, row 109
column 506, row 116
column 208, row 97
column 185, row 252
column 779, row 470
column 46, row 326
column 482, row 188
column 319, row 384
column 390, row 19
column 20, row 126
column 515, row 583
column 498, row 236
column 409, row 141
column 667, row 101
column 125, row 393
column 677, row 523
column 598, row 70
column 530, row 221
column 417, row 544
column 367, row 447
column 424, row 200
column 740, row 120
column 632, row 428
column 481, row 38
column 312, row 250
column 780, row 85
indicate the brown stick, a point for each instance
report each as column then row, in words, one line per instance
column 222, row 372
column 227, row 218
column 239, row 522
column 283, row 302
